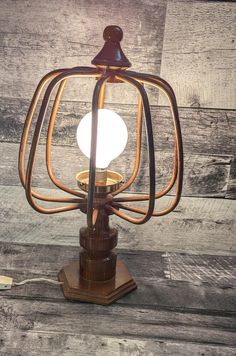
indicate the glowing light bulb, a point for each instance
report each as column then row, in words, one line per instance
column 112, row 136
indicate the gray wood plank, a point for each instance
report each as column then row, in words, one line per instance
column 205, row 175
column 116, row 321
column 165, row 315
column 34, row 343
column 217, row 269
column 199, row 52
column 214, row 270
column 152, row 293
column 56, row 34
column 197, row 225
column 205, row 131
column 155, row 289
column 231, row 188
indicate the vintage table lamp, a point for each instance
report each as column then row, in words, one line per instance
column 97, row 276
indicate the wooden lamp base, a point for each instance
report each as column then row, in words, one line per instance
column 76, row 287
column 97, row 277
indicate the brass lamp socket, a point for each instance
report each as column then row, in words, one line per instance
column 105, row 181
column 101, row 176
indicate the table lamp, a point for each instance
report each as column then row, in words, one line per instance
column 97, row 276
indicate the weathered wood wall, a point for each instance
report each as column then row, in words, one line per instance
column 197, row 225
column 185, row 303
column 190, row 43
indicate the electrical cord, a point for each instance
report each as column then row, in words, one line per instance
column 32, row 280
column 7, row 282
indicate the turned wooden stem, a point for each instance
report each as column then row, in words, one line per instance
column 97, row 260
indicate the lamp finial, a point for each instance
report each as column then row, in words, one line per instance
column 111, row 55
column 113, row 33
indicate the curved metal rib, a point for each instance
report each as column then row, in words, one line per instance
column 159, row 194
column 138, row 149
column 97, row 94
column 165, row 87
column 102, row 96
column 49, row 138
column 170, row 183
column 151, row 154
column 25, row 135
column 54, row 180
column 28, row 183
column 143, row 211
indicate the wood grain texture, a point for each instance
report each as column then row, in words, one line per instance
column 161, row 314
column 47, row 260
column 205, row 175
column 185, row 302
column 55, row 39
column 115, row 321
column 198, row 53
column 198, row 225
column 220, row 269
column 205, row 131
column 39, row 37
column 55, row 343
column 231, row 188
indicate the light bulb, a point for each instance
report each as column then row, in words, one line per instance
column 112, row 136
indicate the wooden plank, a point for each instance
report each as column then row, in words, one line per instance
column 205, row 175
column 154, row 288
column 14, row 258
column 219, row 269
column 162, row 314
column 197, row 225
column 205, row 131
column 115, row 321
column 213, row 270
column 56, row 34
column 152, row 293
column 33, row 343
column 231, row 188
column 198, row 53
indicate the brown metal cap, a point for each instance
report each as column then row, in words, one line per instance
column 111, row 54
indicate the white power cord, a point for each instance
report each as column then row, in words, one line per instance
column 7, row 282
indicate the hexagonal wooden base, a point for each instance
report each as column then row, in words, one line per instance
column 77, row 288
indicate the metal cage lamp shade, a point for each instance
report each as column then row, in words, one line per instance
column 98, row 276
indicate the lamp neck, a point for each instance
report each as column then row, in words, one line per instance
column 102, row 223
